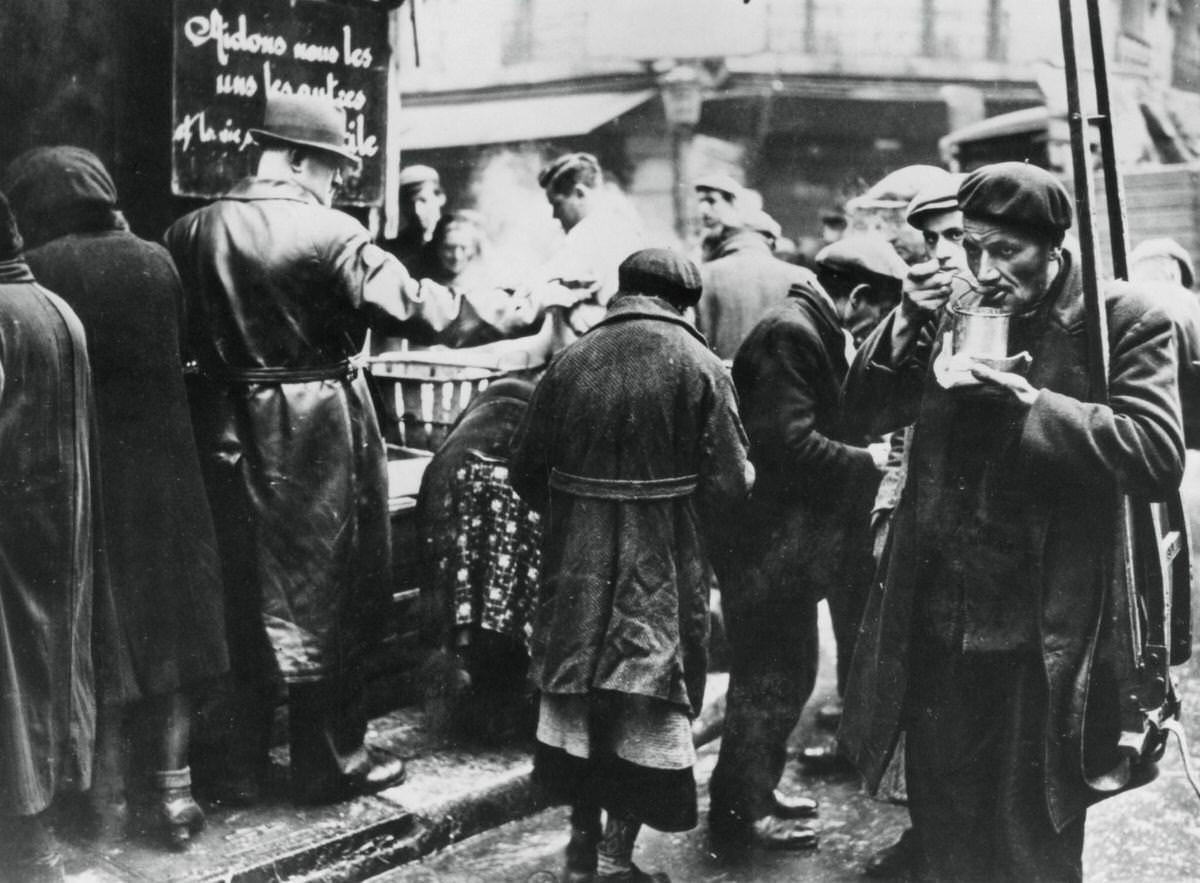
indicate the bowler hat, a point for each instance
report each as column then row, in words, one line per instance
column 306, row 121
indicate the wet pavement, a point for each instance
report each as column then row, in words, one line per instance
column 1151, row 834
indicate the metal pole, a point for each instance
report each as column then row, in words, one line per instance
column 1114, row 186
column 1081, row 162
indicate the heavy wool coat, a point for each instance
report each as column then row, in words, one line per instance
column 279, row 293
column 1061, row 463
column 633, row 448
column 741, row 283
column 47, row 556
column 806, row 522
column 160, row 543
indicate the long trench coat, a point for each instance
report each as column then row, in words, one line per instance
column 47, row 556
column 161, row 548
column 633, row 446
column 1068, row 458
column 279, row 292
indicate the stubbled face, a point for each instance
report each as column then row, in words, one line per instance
column 320, row 173
column 716, row 211
column 1013, row 267
column 569, row 208
column 423, row 206
column 943, row 233
column 457, row 251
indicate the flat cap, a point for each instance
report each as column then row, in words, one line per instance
column 414, row 176
column 1165, row 247
column 863, row 254
column 896, row 189
column 935, row 198
column 720, row 183
column 662, row 273
column 1016, row 193
column 760, row 222
column 568, row 162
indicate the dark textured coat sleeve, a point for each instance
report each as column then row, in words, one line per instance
column 1136, row 440
column 529, row 470
column 726, row 475
column 782, row 426
column 883, row 389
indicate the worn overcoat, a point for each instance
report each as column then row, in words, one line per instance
column 279, row 293
column 633, row 446
column 741, row 283
column 1061, row 463
column 162, row 552
column 47, row 699
column 805, row 524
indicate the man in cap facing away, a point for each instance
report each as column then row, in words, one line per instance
column 980, row 641
column 742, row 281
column 633, row 451
column 280, row 290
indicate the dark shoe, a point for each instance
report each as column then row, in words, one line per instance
column 581, row 856
column 769, row 832
column 633, row 875
column 383, row 771
column 177, row 815
column 829, row 715
column 825, row 760
column 893, row 861
column 787, row 807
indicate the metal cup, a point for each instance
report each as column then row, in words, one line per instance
column 981, row 332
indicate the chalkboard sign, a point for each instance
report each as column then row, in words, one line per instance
column 230, row 55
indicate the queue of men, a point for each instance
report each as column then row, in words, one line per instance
column 955, row 513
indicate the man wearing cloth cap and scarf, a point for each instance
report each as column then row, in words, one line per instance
column 979, row 640
column 280, row 290
column 633, row 449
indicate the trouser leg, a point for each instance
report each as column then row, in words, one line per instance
column 231, row 751
column 773, row 670
column 327, row 724
column 976, row 782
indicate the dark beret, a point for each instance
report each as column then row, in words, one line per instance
column 662, row 273
column 11, row 245
column 863, row 255
column 1016, row 193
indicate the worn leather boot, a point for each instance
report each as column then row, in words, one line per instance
column 581, row 848
column 177, row 815
column 615, row 855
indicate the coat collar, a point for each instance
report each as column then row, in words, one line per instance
column 269, row 188
column 741, row 241
column 15, row 270
column 626, row 307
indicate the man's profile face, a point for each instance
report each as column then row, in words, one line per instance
column 716, row 211
column 943, row 234
column 1011, row 264
column 569, row 208
column 422, row 205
